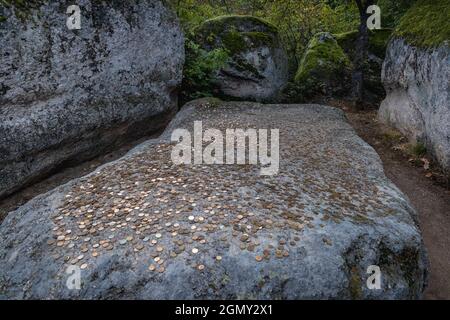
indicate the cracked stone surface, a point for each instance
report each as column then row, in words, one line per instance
column 143, row 227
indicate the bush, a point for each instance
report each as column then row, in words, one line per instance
column 199, row 69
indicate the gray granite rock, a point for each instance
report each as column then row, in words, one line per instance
column 316, row 226
column 258, row 67
column 417, row 82
column 67, row 96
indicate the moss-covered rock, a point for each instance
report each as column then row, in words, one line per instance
column 426, row 24
column 324, row 66
column 378, row 40
column 415, row 74
column 257, row 68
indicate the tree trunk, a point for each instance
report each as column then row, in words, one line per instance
column 361, row 54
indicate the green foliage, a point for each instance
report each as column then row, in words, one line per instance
column 418, row 149
column 392, row 11
column 426, row 24
column 297, row 21
column 200, row 66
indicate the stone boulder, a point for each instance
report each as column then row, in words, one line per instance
column 67, row 96
column 326, row 66
column 378, row 40
column 416, row 75
column 144, row 227
column 258, row 66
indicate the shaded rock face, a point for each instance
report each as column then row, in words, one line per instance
column 418, row 95
column 66, row 96
column 326, row 66
column 378, row 40
column 143, row 227
column 258, row 67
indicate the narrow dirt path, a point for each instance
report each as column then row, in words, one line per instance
column 430, row 200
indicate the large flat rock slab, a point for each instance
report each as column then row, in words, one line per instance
column 143, row 227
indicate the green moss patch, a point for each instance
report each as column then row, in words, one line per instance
column 426, row 23
column 323, row 63
column 235, row 33
column 378, row 40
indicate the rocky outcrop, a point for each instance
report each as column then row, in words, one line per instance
column 374, row 91
column 143, row 227
column 326, row 66
column 258, row 66
column 66, row 96
column 416, row 75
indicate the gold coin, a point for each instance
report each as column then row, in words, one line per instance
column 152, row 267
column 94, row 254
column 258, row 258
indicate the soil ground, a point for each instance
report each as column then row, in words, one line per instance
column 426, row 189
